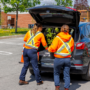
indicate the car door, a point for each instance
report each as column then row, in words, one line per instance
column 85, row 37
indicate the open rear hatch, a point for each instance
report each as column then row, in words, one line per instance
column 51, row 15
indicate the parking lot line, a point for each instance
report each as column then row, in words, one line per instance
column 5, row 53
column 11, row 43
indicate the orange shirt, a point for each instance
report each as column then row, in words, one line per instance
column 37, row 40
column 57, row 43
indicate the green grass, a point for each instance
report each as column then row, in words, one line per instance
column 9, row 32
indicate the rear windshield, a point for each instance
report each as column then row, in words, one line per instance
column 49, row 15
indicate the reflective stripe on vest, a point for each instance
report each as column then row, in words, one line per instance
column 32, row 45
column 64, row 45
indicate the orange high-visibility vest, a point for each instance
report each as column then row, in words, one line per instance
column 66, row 46
column 62, row 45
column 33, row 41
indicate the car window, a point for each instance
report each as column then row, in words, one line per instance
column 88, row 30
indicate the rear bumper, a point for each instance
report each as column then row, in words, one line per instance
column 73, row 69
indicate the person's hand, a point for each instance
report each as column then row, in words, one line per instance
column 48, row 48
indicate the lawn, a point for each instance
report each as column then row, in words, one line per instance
column 9, row 32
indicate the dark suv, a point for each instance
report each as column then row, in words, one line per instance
column 55, row 16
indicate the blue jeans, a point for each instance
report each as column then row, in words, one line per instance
column 30, row 55
column 58, row 64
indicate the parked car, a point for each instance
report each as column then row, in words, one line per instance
column 56, row 16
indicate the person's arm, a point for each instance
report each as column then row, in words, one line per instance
column 72, row 43
column 43, row 41
column 26, row 36
column 54, row 46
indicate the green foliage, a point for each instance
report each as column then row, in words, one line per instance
column 19, row 5
column 51, row 34
column 65, row 3
column 56, row 29
column 9, row 32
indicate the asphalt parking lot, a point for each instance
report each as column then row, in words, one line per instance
column 10, row 55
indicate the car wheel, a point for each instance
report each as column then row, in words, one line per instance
column 87, row 75
column 31, row 71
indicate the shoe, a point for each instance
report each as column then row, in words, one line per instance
column 23, row 82
column 66, row 89
column 57, row 87
column 41, row 82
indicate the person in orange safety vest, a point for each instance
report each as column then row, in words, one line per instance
column 62, row 47
column 33, row 38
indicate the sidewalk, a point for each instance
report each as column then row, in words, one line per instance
column 13, row 36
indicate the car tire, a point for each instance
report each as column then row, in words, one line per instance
column 31, row 71
column 87, row 75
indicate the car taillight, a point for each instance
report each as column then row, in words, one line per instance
column 80, row 45
column 78, row 64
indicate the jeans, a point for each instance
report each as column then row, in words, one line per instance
column 58, row 64
column 30, row 55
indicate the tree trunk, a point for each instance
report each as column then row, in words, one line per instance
column 16, row 21
column 0, row 16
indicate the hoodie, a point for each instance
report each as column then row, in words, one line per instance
column 57, row 43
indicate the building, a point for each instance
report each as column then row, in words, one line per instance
column 24, row 19
column 9, row 19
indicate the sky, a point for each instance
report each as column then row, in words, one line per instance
column 53, row 1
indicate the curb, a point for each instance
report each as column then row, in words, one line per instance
column 14, row 36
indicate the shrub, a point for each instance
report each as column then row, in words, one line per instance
column 51, row 34
column 7, row 32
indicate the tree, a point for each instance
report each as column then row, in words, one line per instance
column 81, row 5
column 18, row 5
column 65, row 3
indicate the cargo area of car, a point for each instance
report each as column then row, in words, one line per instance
column 51, row 16
column 44, row 53
column 72, row 33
